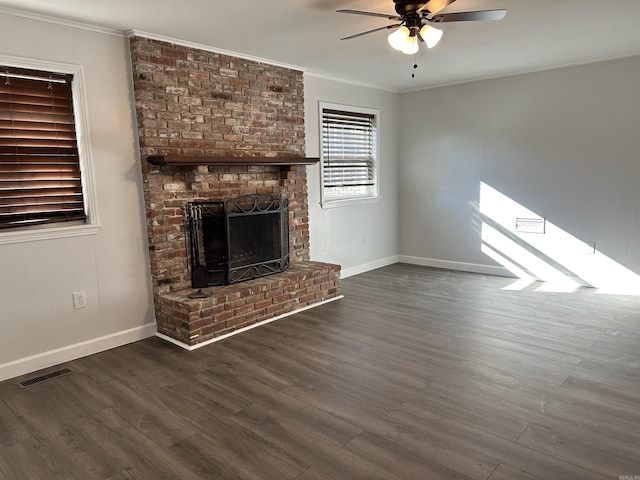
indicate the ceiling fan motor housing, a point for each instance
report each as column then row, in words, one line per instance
column 407, row 7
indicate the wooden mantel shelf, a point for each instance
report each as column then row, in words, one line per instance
column 179, row 160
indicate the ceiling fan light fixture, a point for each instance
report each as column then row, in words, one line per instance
column 411, row 45
column 398, row 38
column 431, row 35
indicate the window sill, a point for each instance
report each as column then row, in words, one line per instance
column 348, row 202
column 34, row 235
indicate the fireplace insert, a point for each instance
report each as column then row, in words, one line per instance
column 242, row 238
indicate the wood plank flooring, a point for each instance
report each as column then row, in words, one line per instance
column 417, row 373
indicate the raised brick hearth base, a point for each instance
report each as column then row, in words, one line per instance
column 193, row 321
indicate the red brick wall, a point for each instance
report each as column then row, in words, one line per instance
column 198, row 103
column 194, row 102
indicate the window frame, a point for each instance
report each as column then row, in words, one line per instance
column 81, row 117
column 346, row 200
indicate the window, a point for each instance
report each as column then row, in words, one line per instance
column 41, row 180
column 349, row 153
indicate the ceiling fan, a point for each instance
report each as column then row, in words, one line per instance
column 414, row 22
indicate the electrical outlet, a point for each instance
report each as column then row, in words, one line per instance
column 365, row 238
column 79, row 300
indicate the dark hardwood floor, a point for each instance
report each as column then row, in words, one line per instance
column 417, row 373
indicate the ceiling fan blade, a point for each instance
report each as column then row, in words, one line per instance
column 371, row 31
column 371, row 14
column 434, row 6
column 469, row 16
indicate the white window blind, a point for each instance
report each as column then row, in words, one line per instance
column 348, row 153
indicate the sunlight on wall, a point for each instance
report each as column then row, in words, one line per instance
column 528, row 260
column 554, row 256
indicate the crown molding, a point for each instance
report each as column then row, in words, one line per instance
column 61, row 21
column 527, row 72
column 330, row 78
column 208, row 48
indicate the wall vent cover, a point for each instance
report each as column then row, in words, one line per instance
column 530, row 225
column 42, row 378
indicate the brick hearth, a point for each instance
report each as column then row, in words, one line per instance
column 195, row 103
column 193, row 321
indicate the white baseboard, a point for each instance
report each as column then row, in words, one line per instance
column 71, row 352
column 383, row 262
column 243, row 329
column 451, row 265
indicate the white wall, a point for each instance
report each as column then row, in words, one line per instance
column 38, row 325
column 563, row 143
column 337, row 233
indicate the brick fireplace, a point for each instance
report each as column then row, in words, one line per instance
column 212, row 127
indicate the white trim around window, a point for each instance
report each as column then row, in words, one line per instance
column 92, row 225
column 349, row 140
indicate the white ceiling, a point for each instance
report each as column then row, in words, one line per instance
column 535, row 34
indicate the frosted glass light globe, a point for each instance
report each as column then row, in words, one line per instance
column 398, row 38
column 411, row 46
column 430, row 35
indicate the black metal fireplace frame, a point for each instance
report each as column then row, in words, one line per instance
column 255, row 204
column 259, row 204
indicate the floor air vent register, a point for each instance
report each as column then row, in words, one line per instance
column 42, row 378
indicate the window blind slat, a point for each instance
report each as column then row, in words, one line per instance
column 35, row 209
column 23, row 220
column 31, row 126
column 37, row 184
column 40, row 176
column 19, row 102
column 40, row 200
column 36, row 115
column 11, row 168
column 10, row 195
